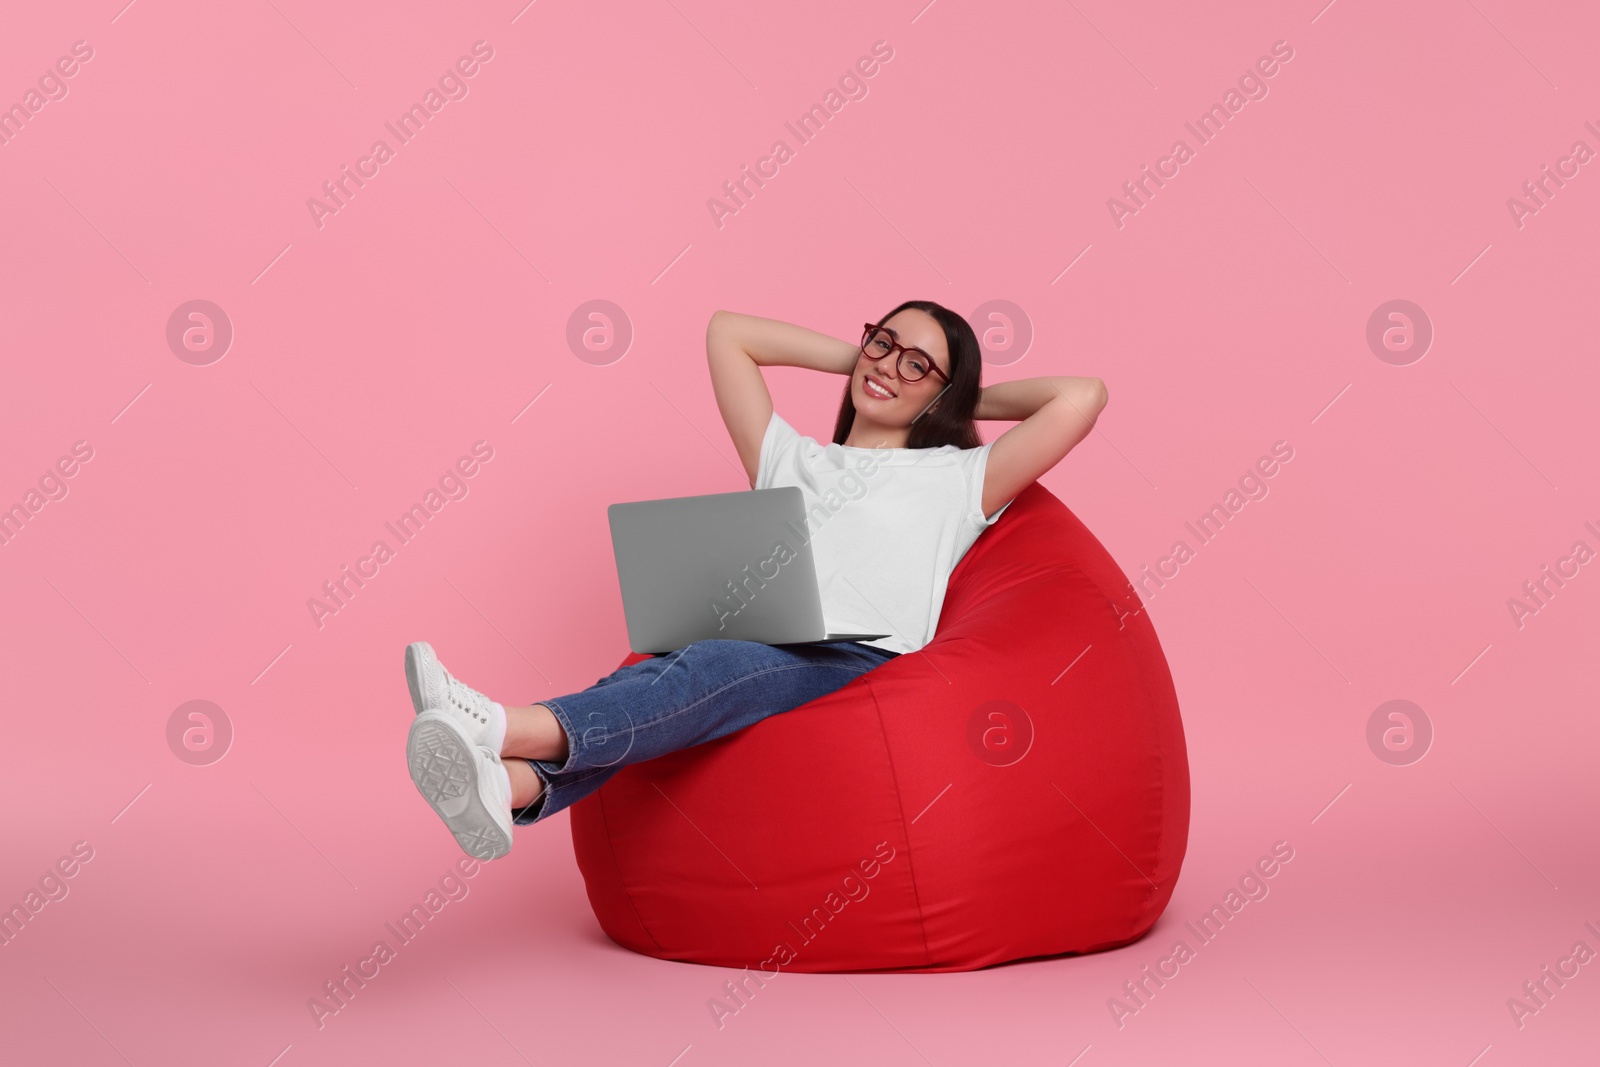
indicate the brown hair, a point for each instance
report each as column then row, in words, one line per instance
column 950, row 422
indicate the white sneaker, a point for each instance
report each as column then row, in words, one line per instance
column 433, row 687
column 463, row 781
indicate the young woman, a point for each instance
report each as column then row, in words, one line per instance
column 883, row 554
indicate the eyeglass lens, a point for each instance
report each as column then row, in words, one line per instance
column 913, row 364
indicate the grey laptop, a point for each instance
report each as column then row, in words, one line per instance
column 699, row 567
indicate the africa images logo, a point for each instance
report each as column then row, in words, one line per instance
column 451, row 86
column 452, row 485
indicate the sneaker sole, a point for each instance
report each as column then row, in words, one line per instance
column 445, row 771
column 414, row 676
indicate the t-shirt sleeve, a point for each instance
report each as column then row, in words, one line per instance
column 977, row 463
column 778, row 449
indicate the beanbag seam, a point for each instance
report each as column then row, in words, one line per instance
column 600, row 800
column 905, row 827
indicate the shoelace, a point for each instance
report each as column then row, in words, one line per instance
column 466, row 698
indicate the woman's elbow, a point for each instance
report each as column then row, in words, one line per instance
column 716, row 324
column 1091, row 397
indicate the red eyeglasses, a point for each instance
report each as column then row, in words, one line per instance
column 877, row 342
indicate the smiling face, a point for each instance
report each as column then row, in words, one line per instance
column 889, row 401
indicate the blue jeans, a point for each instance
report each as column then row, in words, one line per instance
column 697, row 694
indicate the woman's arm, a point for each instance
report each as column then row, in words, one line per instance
column 773, row 343
column 737, row 347
column 1014, row 401
column 1056, row 414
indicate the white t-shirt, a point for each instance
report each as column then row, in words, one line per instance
column 887, row 526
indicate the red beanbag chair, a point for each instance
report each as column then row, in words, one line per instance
column 1018, row 788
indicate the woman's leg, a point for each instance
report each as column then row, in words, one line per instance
column 531, row 733
column 700, row 693
column 534, row 733
column 526, row 785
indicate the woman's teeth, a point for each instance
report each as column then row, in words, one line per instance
column 876, row 390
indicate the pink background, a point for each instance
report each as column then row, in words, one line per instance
column 432, row 309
